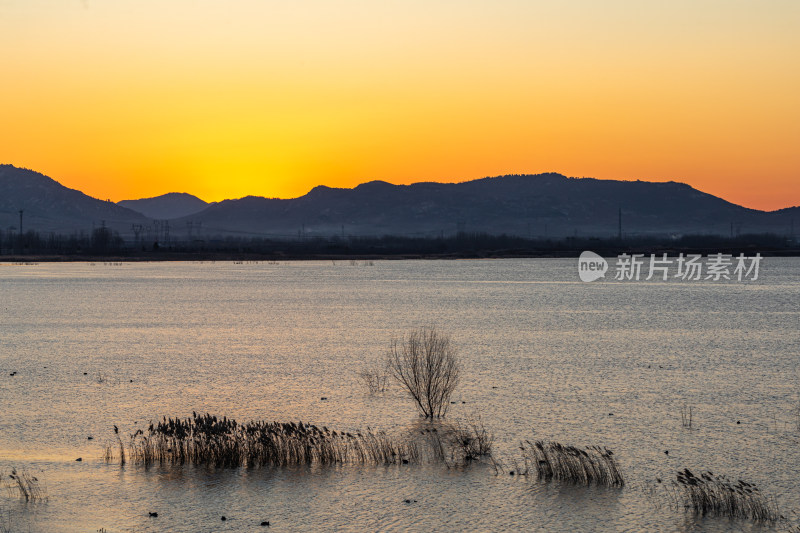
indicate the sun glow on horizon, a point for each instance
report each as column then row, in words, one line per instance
column 136, row 99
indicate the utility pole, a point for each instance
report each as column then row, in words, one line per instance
column 20, row 222
column 619, row 223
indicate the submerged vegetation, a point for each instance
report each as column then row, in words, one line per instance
column 207, row 440
column 21, row 484
column 211, row 441
column 553, row 460
column 471, row 440
column 709, row 494
column 459, row 443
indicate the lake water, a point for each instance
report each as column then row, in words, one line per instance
column 544, row 356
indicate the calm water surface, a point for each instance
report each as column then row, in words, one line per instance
column 544, row 355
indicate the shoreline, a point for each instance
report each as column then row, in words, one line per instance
column 177, row 256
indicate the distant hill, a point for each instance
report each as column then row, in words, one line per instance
column 166, row 206
column 50, row 207
column 543, row 205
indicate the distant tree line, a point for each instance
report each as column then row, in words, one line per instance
column 103, row 242
column 100, row 241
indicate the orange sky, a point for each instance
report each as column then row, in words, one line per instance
column 128, row 99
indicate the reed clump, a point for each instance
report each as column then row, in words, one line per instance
column 471, row 440
column 553, row 460
column 221, row 442
column 23, row 485
column 458, row 443
column 707, row 493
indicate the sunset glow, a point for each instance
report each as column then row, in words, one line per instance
column 130, row 99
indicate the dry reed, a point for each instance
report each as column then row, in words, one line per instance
column 686, row 416
column 552, row 460
column 458, row 443
column 23, row 485
column 211, row 441
column 471, row 440
column 717, row 495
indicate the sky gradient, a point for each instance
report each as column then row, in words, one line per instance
column 126, row 99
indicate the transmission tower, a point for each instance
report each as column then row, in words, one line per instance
column 137, row 229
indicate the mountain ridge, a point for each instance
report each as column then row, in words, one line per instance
column 547, row 205
column 49, row 206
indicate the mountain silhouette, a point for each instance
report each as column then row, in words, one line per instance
column 49, row 207
column 543, row 205
column 166, row 206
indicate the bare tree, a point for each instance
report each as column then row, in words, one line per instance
column 424, row 362
column 374, row 376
